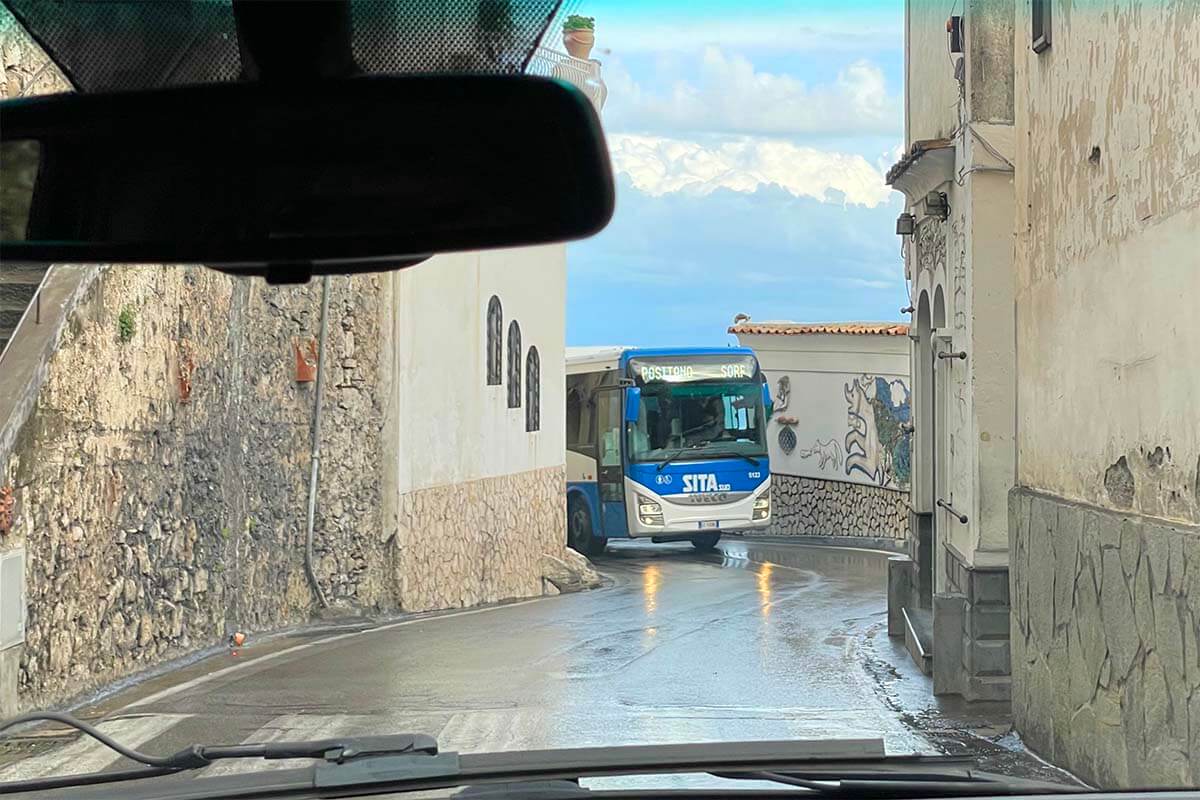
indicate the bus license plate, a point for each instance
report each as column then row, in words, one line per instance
column 710, row 524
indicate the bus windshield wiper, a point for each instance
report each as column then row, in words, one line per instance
column 662, row 464
column 735, row 454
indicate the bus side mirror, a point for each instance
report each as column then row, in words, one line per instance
column 633, row 403
column 767, row 403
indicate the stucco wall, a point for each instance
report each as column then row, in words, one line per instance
column 930, row 112
column 440, row 370
column 1108, row 264
column 479, row 499
column 843, row 400
column 840, row 461
column 1108, row 461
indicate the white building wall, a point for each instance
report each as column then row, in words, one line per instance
column 930, row 112
column 477, row 501
column 832, row 378
column 453, row 426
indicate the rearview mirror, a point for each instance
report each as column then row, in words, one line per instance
column 768, row 403
column 633, row 403
column 344, row 175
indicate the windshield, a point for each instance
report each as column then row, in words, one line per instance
column 870, row 421
column 705, row 420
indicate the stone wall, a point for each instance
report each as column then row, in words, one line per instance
column 815, row 507
column 1106, row 669
column 160, row 483
column 469, row 543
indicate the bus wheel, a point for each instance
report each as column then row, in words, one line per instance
column 706, row 541
column 579, row 530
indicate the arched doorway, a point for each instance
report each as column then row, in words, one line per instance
column 924, row 448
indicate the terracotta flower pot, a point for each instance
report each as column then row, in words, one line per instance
column 579, row 43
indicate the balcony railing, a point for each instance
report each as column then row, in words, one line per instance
column 582, row 73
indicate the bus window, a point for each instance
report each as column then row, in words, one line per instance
column 608, row 426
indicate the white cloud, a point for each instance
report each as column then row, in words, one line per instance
column 727, row 94
column 812, row 32
column 658, row 165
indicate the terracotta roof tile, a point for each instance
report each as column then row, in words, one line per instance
column 803, row 328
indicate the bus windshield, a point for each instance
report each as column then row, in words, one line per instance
column 703, row 420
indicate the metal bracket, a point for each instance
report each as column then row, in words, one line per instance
column 953, row 511
column 961, row 354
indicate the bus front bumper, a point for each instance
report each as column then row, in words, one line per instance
column 680, row 521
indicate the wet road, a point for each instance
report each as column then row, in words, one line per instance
column 757, row 641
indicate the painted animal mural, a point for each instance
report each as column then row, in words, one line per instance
column 876, row 444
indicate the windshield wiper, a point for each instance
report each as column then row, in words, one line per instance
column 195, row 757
column 734, row 454
column 404, row 763
column 662, row 464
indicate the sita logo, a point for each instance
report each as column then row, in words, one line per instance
column 703, row 483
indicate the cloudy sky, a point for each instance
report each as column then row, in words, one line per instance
column 749, row 142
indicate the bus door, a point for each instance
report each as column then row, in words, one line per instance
column 610, row 475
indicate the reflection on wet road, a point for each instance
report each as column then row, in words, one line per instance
column 749, row 642
column 754, row 641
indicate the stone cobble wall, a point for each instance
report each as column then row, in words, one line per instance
column 160, row 483
column 816, row 507
column 469, row 543
column 1105, row 661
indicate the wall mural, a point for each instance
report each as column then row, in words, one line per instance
column 827, row 453
column 783, row 393
column 876, row 446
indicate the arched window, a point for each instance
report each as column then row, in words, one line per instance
column 533, row 391
column 514, row 365
column 495, row 329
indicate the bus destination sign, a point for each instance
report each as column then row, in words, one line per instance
column 693, row 368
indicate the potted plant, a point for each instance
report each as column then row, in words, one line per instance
column 579, row 35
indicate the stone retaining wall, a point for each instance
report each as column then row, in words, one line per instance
column 1105, row 662
column 160, row 483
column 816, row 507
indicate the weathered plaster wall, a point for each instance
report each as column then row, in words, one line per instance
column 160, row 482
column 1108, row 465
column 1108, row 267
column 990, row 361
column 931, row 112
column 989, row 45
column 816, row 507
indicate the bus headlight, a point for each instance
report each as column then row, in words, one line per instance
column 762, row 507
column 649, row 511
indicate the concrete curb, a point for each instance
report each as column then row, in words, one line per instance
column 886, row 544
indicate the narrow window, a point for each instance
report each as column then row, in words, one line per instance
column 514, row 365
column 1041, row 25
column 533, row 391
column 495, row 329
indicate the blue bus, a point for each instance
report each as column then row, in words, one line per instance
column 665, row 444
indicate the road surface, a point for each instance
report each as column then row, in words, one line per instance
column 755, row 641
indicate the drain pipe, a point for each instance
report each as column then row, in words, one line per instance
column 316, row 448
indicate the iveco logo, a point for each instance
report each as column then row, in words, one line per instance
column 705, row 499
column 703, row 483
